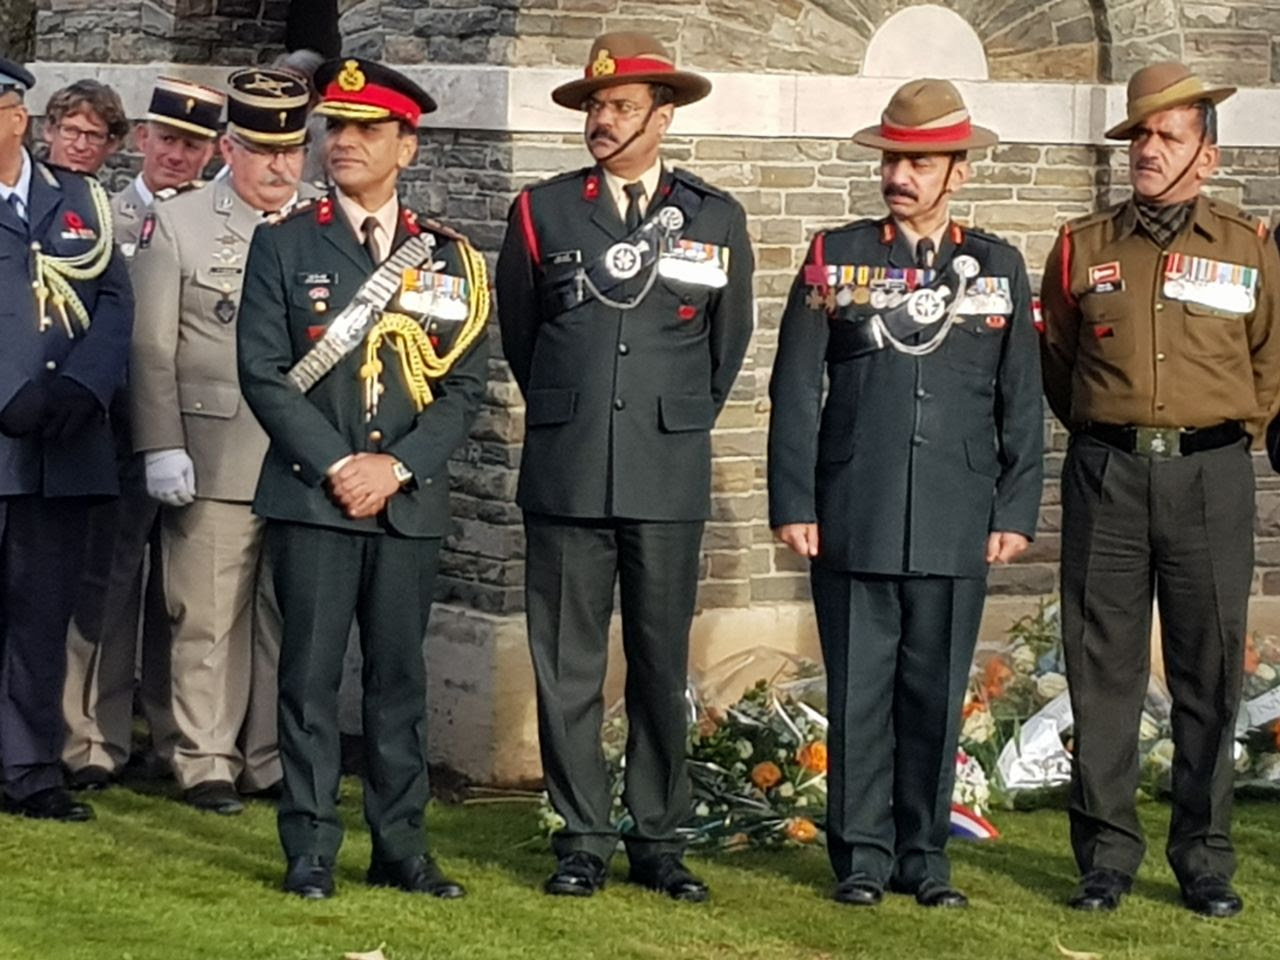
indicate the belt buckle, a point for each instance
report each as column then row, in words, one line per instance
column 1160, row 443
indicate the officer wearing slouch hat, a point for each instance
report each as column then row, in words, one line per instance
column 626, row 309
column 1161, row 355
column 65, row 331
column 362, row 353
column 921, row 469
column 203, row 448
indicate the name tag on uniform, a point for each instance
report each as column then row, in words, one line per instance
column 989, row 296
column 315, row 278
column 437, row 295
column 563, row 257
column 700, row 264
column 1217, row 284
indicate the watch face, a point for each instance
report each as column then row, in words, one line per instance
column 402, row 473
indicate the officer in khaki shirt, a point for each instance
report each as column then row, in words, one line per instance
column 1159, row 354
column 203, row 448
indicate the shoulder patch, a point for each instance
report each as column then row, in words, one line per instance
column 168, row 193
column 697, row 183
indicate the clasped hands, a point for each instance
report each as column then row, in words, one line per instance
column 362, row 483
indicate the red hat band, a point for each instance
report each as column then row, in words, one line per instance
column 400, row 106
column 607, row 66
column 925, row 135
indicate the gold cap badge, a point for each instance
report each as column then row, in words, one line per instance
column 603, row 65
column 351, row 79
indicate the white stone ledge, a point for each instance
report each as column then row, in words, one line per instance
column 517, row 100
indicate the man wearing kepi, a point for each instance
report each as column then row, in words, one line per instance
column 362, row 352
column 65, row 329
column 922, row 469
column 1160, row 356
column 626, row 309
column 203, row 447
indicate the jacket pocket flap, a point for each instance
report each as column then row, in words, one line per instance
column 550, row 405
column 224, row 280
column 687, row 413
column 220, row 400
column 981, row 454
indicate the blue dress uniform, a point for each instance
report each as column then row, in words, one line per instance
column 65, row 316
column 929, row 440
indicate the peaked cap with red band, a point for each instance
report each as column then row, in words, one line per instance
column 367, row 92
column 926, row 116
column 629, row 57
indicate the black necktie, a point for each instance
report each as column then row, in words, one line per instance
column 924, row 253
column 19, row 207
column 370, row 245
column 635, row 196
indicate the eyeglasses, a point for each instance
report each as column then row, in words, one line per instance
column 70, row 134
column 626, row 109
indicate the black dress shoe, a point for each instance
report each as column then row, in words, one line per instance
column 1211, row 895
column 943, row 895
column 578, row 874
column 309, row 877
column 267, row 794
column 1100, row 890
column 858, row 891
column 51, row 804
column 414, row 875
column 666, row 873
column 214, row 796
column 91, row 778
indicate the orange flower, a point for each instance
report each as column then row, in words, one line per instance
column 801, row 830
column 765, row 775
column 1252, row 658
column 1275, row 735
column 813, row 757
column 995, row 677
column 970, row 708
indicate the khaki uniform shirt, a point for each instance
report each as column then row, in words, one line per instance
column 1136, row 334
column 184, row 389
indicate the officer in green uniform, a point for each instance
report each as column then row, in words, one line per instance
column 1161, row 356
column 362, row 354
column 922, row 468
column 626, row 309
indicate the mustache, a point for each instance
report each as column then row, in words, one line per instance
column 893, row 190
column 602, row 133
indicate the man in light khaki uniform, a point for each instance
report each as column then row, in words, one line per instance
column 204, row 448
column 176, row 139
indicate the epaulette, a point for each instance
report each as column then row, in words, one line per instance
column 697, row 183
column 168, row 193
column 436, row 227
column 560, row 178
column 864, row 223
column 1094, row 219
column 49, row 170
column 1237, row 216
column 987, row 236
column 302, row 206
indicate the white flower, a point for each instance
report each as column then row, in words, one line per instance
column 1265, row 672
column 979, row 726
column 788, row 789
column 1050, row 686
column 1023, row 659
column 802, row 801
column 702, row 810
column 745, row 749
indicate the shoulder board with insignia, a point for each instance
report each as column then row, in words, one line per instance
column 697, row 183
column 435, row 226
column 986, row 235
column 302, row 206
column 168, row 193
column 1235, row 215
column 856, row 225
column 560, row 178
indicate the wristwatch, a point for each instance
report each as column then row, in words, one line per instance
column 402, row 473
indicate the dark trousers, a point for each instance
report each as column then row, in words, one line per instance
column 571, row 569
column 41, row 554
column 897, row 653
column 324, row 578
column 1183, row 528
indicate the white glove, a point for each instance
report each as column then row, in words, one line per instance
column 171, row 476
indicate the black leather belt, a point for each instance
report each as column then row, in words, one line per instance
column 1165, row 441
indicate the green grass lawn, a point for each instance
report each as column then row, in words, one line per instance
column 151, row 878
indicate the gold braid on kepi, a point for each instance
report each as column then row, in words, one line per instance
column 419, row 361
column 53, row 274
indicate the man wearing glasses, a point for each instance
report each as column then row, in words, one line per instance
column 203, row 447
column 626, row 310
column 84, row 124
